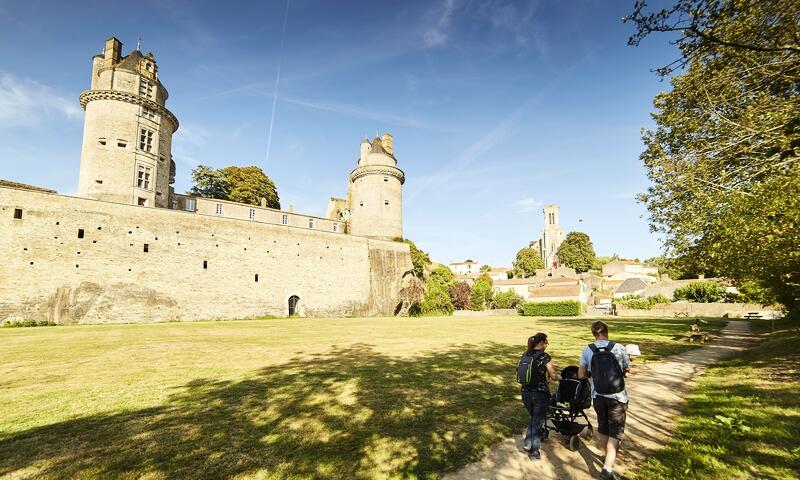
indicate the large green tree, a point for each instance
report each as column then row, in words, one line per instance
column 723, row 158
column 419, row 259
column 437, row 292
column 237, row 184
column 209, row 183
column 249, row 185
column 576, row 251
column 481, row 293
column 526, row 263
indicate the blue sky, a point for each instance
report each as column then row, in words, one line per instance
column 496, row 108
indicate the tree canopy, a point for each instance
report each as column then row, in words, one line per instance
column 419, row 259
column 481, row 293
column 723, row 158
column 238, row 184
column 526, row 263
column 576, row 251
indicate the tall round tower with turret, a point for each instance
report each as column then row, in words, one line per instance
column 127, row 134
column 375, row 195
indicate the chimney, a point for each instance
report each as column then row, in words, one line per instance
column 386, row 140
column 263, row 202
column 290, row 209
column 113, row 51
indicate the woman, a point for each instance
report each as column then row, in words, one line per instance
column 536, row 394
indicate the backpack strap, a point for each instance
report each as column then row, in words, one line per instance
column 610, row 345
column 593, row 347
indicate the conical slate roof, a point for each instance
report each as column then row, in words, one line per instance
column 131, row 61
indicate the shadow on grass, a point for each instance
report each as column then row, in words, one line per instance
column 351, row 413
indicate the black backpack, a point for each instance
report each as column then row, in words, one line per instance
column 607, row 374
column 526, row 369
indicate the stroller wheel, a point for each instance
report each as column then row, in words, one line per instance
column 589, row 431
column 574, row 442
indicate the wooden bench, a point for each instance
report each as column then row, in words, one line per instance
column 752, row 315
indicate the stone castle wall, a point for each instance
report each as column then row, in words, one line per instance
column 138, row 264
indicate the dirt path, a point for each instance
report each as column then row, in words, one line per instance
column 655, row 390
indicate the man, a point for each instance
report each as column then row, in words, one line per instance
column 610, row 407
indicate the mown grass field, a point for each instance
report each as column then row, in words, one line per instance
column 742, row 421
column 268, row 399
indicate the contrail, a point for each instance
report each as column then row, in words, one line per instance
column 277, row 81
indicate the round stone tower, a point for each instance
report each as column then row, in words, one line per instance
column 127, row 134
column 375, row 195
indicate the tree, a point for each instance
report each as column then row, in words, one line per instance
column 481, row 293
column 209, row 183
column 249, row 185
column 461, row 295
column 526, row 263
column 437, row 293
column 419, row 259
column 485, row 268
column 410, row 296
column 576, row 251
column 701, row 292
column 723, row 158
column 507, row 299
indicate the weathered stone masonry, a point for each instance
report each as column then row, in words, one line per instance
column 75, row 260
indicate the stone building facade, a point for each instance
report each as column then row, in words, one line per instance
column 552, row 236
column 128, row 249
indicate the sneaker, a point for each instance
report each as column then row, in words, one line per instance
column 535, row 455
column 605, row 474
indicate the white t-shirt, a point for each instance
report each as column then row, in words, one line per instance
column 622, row 357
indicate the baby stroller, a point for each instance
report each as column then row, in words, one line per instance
column 567, row 405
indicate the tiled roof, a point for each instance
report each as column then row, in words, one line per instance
column 631, row 285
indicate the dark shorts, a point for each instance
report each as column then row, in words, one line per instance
column 610, row 416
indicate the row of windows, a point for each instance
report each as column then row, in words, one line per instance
column 284, row 218
column 146, row 88
column 385, row 202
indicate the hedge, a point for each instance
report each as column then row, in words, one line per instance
column 553, row 309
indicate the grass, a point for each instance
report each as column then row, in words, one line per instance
column 289, row 398
column 742, row 421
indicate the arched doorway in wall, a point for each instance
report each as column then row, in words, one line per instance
column 293, row 301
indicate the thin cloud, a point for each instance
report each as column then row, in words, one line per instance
column 438, row 33
column 26, row 103
column 527, row 205
column 360, row 112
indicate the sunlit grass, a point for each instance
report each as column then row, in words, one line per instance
column 743, row 419
column 285, row 398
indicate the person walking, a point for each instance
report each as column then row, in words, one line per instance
column 608, row 362
column 533, row 369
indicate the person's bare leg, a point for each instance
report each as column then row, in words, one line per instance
column 612, row 445
column 602, row 442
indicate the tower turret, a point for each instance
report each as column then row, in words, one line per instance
column 375, row 196
column 127, row 135
column 552, row 236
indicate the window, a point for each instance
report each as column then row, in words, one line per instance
column 145, row 88
column 146, row 248
column 101, row 141
column 335, row 227
column 205, row 264
column 146, row 140
column 256, row 278
column 190, row 204
column 98, row 182
column 385, row 179
column 122, row 143
column 285, row 220
column 143, row 177
column 148, row 113
column 80, row 233
column 386, row 202
column 360, row 204
column 142, row 203
column 18, row 214
column 310, row 223
column 219, row 209
column 252, row 214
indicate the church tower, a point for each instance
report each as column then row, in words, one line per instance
column 127, row 134
column 552, row 236
column 375, row 194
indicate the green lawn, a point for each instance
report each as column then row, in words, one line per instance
column 743, row 419
column 287, row 398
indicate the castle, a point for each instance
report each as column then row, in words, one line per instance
column 128, row 248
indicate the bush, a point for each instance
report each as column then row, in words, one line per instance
column 436, row 300
column 569, row 308
column 508, row 299
column 701, row 292
column 641, row 303
column 28, row 323
column 461, row 295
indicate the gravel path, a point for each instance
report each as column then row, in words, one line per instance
column 656, row 391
